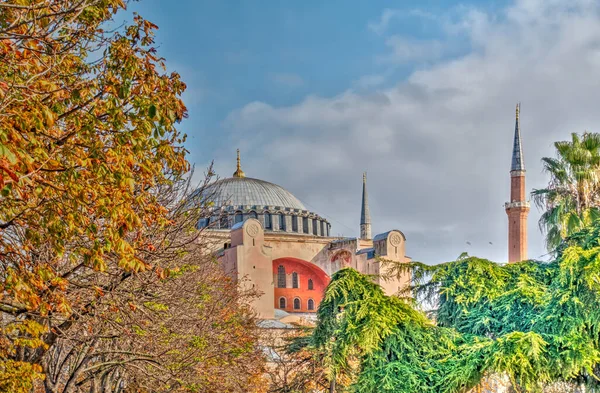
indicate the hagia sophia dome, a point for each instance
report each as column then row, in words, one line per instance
column 246, row 191
column 237, row 198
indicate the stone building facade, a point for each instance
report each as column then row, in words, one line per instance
column 267, row 240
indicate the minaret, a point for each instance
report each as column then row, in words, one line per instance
column 239, row 172
column 365, row 216
column 518, row 207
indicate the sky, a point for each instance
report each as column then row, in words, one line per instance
column 419, row 94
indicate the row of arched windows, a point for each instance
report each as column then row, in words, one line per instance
column 269, row 221
column 310, row 305
column 281, row 279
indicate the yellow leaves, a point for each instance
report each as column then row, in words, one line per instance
column 18, row 377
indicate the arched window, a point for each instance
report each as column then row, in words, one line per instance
column 239, row 217
column 203, row 223
column 310, row 284
column 296, row 304
column 295, row 280
column 268, row 222
column 305, row 224
column 281, row 277
column 311, row 304
column 281, row 222
column 224, row 221
column 322, row 228
column 294, row 223
column 315, row 227
column 252, row 214
column 281, row 302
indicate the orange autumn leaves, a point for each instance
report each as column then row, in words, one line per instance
column 87, row 128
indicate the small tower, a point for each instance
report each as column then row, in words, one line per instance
column 518, row 207
column 365, row 215
column 239, row 172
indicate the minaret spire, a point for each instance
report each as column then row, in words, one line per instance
column 239, row 172
column 518, row 207
column 365, row 215
column 517, row 158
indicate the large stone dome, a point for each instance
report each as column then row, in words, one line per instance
column 238, row 198
column 246, row 191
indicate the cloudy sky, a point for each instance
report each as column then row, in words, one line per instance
column 421, row 96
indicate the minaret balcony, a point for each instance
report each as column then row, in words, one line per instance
column 510, row 205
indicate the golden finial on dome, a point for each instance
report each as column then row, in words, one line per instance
column 239, row 172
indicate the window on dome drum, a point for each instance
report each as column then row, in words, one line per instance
column 305, row 224
column 281, row 222
column 315, row 227
column 268, row 223
column 295, row 280
column 203, row 223
column 322, row 229
column 311, row 304
column 310, row 284
column 223, row 222
column 294, row 223
column 296, row 304
column 239, row 217
column 281, row 277
column 281, row 302
column 252, row 214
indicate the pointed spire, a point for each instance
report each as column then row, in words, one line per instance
column 365, row 215
column 517, row 157
column 239, row 172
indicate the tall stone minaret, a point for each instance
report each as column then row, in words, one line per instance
column 518, row 207
column 365, row 216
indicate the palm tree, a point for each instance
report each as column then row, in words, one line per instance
column 572, row 198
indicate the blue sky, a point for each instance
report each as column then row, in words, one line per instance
column 231, row 53
column 420, row 94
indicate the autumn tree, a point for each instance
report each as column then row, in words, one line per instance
column 88, row 141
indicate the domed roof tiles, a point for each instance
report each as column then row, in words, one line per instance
column 246, row 191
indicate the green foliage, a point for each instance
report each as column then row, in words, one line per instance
column 571, row 199
column 535, row 322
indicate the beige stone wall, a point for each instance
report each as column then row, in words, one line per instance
column 249, row 254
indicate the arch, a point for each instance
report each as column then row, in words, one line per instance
column 318, row 275
column 281, row 222
column 343, row 256
column 304, row 224
column 268, row 220
column 239, row 217
column 282, row 302
column 311, row 305
column 295, row 280
column 252, row 214
column 314, row 226
column 294, row 223
column 311, row 285
column 203, row 223
column 297, row 303
column 281, row 276
column 224, row 220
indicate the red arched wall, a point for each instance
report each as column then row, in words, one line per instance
column 306, row 271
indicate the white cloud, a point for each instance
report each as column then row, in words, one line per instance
column 369, row 81
column 287, row 79
column 388, row 15
column 409, row 50
column 382, row 24
column 437, row 146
